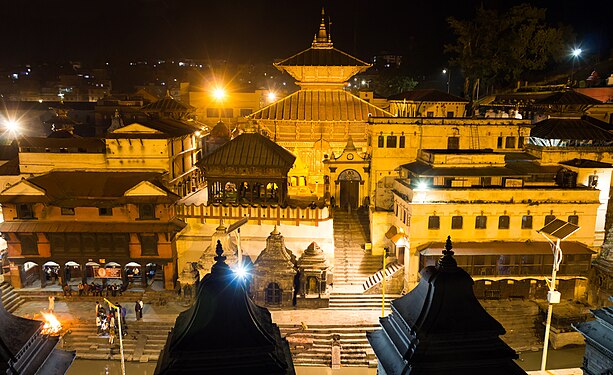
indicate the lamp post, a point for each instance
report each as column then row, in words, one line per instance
column 123, row 362
column 554, row 232
column 448, row 73
column 576, row 52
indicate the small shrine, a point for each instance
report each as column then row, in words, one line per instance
column 224, row 332
column 218, row 136
column 313, row 269
column 275, row 274
column 207, row 259
column 440, row 327
column 248, row 169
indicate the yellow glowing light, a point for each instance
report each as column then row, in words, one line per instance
column 52, row 326
column 219, row 93
column 272, row 96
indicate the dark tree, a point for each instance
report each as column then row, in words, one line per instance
column 497, row 48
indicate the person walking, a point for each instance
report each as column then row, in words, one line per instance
column 98, row 324
column 111, row 337
column 138, row 309
column 51, row 304
column 97, row 308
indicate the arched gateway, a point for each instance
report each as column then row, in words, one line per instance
column 349, row 181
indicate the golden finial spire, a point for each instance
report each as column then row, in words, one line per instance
column 322, row 39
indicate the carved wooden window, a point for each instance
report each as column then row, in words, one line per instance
column 273, row 294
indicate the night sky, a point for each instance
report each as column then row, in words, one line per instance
column 255, row 30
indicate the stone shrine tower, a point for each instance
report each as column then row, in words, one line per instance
column 274, row 273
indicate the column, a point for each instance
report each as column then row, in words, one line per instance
column 43, row 277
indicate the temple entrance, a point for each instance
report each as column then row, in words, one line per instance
column 349, row 181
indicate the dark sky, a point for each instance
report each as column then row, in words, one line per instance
column 254, row 30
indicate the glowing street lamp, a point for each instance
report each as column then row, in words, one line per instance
column 575, row 53
column 219, row 94
column 272, row 96
column 448, row 73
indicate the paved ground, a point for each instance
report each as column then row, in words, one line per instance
column 67, row 311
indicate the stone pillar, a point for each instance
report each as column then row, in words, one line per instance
column 42, row 276
column 16, row 271
column 169, row 282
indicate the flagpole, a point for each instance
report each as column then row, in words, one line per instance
column 123, row 363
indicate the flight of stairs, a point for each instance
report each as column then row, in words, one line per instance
column 143, row 342
column 355, row 349
column 10, row 299
column 352, row 263
column 357, row 301
column 518, row 317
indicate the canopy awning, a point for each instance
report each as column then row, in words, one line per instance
column 504, row 248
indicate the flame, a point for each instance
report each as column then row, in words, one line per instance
column 52, row 325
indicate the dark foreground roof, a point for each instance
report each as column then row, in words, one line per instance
column 23, row 347
column 224, row 332
column 440, row 328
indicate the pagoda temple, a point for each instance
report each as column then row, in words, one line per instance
column 441, row 328
column 319, row 118
column 224, row 332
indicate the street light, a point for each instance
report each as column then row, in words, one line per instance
column 576, row 53
column 448, row 72
column 219, row 94
column 554, row 232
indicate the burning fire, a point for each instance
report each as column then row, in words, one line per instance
column 52, row 325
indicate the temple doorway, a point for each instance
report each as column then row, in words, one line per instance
column 349, row 181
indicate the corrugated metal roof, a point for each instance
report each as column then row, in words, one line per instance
column 83, row 188
column 174, row 225
column 250, row 150
column 568, row 97
column 167, row 104
column 321, row 57
column 585, row 163
column 35, row 144
column 427, row 95
column 320, row 105
column 422, row 169
column 504, row 248
column 569, row 129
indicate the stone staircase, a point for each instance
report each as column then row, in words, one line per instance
column 352, row 263
column 355, row 350
column 357, row 301
column 143, row 342
column 519, row 318
column 10, row 299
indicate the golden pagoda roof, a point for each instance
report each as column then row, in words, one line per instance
column 320, row 105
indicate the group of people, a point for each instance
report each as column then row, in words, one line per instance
column 94, row 289
column 107, row 319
